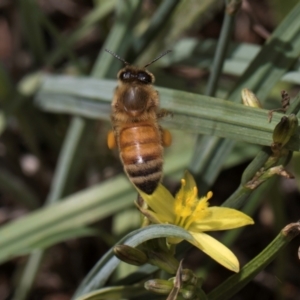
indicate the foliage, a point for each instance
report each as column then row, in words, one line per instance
column 51, row 117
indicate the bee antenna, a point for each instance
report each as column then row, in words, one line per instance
column 117, row 56
column 157, row 58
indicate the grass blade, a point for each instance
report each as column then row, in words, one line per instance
column 107, row 264
column 274, row 59
column 236, row 282
column 192, row 112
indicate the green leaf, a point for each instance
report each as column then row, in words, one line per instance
column 96, row 15
column 107, row 264
column 74, row 212
column 116, row 293
column 276, row 57
column 192, row 112
column 58, row 237
column 236, row 282
column 31, row 25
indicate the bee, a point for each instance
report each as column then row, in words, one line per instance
column 136, row 132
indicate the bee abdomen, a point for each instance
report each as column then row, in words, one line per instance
column 141, row 153
column 145, row 177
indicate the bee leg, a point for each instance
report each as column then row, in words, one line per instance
column 141, row 203
column 111, row 140
column 166, row 137
column 163, row 112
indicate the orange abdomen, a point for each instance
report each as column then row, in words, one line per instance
column 141, row 153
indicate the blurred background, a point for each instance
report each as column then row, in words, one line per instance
column 65, row 37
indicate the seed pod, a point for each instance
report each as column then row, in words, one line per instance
column 249, row 99
column 284, row 130
column 132, row 256
column 159, row 286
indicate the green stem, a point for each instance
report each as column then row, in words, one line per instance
column 264, row 157
column 119, row 39
column 95, row 16
column 59, row 184
column 116, row 292
column 61, row 43
column 33, row 31
column 220, row 54
column 78, row 130
column 236, row 282
column 66, row 159
column 160, row 17
column 277, row 203
column 28, row 275
column 264, row 71
column 198, row 161
column 13, row 185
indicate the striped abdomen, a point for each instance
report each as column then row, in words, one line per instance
column 141, row 152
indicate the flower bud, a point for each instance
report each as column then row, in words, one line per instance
column 188, row 292
column 159, row 286
column 249, row 99
column 284, row 130
column 130, row 255
column 164, row 261
column 188, row 276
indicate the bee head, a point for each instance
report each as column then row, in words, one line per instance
column 132, row 75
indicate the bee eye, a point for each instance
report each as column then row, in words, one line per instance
column 144, row 77
column 125, row 75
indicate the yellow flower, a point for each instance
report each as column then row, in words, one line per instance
column 194, row 215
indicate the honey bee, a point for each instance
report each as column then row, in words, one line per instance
column 135, row 114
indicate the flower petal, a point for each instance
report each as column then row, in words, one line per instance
column 220, row 218
column 187, row 187
column 216, row 251
column 162, row 203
